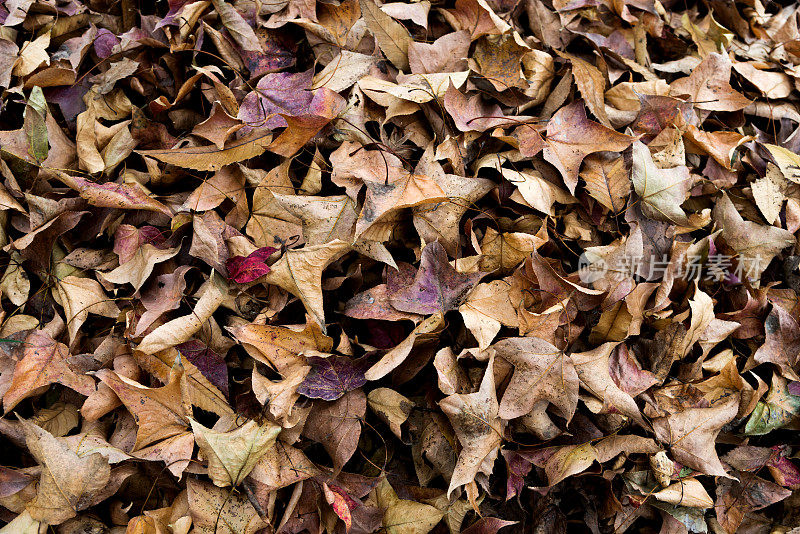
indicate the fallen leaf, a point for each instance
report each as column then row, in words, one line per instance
column 571, row 137
column 44, row 362
column 541, row 372
column 232, row 455
column 332, row 376
column 662, row 191
column 392, row 407
column 691, row 435
column 477, row 424
column 403, row 516
column 337, row 426
column 68, row 483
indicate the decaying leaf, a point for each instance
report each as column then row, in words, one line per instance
column 311, row 266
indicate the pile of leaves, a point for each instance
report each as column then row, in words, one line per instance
column 406, row 267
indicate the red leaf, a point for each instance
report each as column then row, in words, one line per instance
column 243, row 269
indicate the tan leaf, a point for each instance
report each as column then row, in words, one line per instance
column 279, row 347
column 487, row 309
column 571, row 136
column 181, row 329
column 384, row 197
column 692, row 433
column 280, row 396
column 788, row 162
column 44, row 362
column 768, row 192
column 68, row 483
column 337, row 426
column 709, row 86
column 212, row 158
column 299, row 271
column 226, row 184
column 593, row 369
column 282, row 466
column 232, row 455
column 607, row 181
column 32, row 55
column 441, row 221
column 424, row 331
column 505, row 251
column 569, row 460
column 402, row 516
column 535, row 191
column 159, row 412
column 591, row 84
column 686, row 492
column 81, row 296
column 58, row 419
column 324, row 218
column 391, row 36
column 218, row 511
column 773, row 85
column 138, row 269
column 662, row 191
column 218, row 126
column 15, row 283
column 479, row 429
column 392, row 407
column 541, row 372
column 756, row 244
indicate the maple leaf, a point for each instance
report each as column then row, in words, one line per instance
column 332, row 376
column 662, row 191
column 80, row 297
column 437, row 286
column 243, row 270
column 691, row 434
column 736, row 498
column 709, row 86
column 755, row 244
column 281, row 347
column 477, row 424
column 337, row 426
column 160, row 413
column 44, row 362
column 541, row 372
column 232, row 455
column 392, row 407
column 782, row 343
column 138, row 269
column 571, row 136
column 402, row 516
column 300, row 273
column 215, row 509
column 594, row 371
column 69, row 483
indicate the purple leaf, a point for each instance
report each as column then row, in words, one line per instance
column 288, row 93
column 246, row 269
column 437, row 286
column 209, row 363
column 279, row 52
column 104, row 43
column 332, row 377
column 518, row 466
